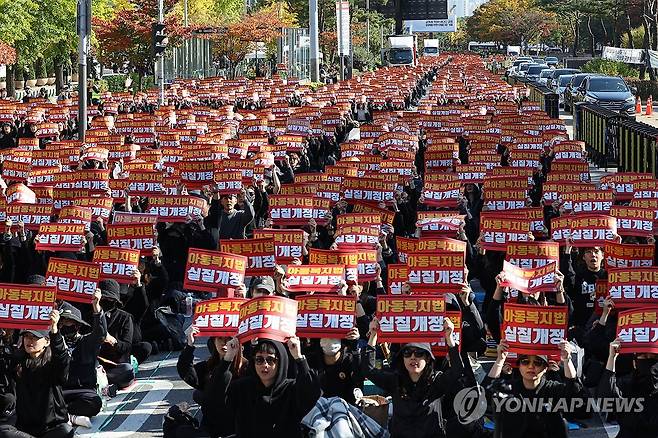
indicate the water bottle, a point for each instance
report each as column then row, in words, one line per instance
column 189, row 305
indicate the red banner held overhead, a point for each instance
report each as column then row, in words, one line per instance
column 32, row 215
column 325, row 316
column 633, row 287
column 132, row 236
column 534, row 329
column 442, row 194
column 533, row 254
column 288, row 244
column 117, row 264
column 60, row 237
column 498, row 230
column 177, row 208
column 410, row 318
column 218, row 317
column 26, row 307
column 296, row 210
column 530, row 280
column 268, row 317
column 211, row 271
column 259, row 253
column 398, row 274
column 633, row 221
column 638, row 330
column 585, row 230
column 620, row 255
column 439, row 271
column 73, row 280
column 315, row 278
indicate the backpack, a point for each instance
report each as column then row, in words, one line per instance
column 173, row 325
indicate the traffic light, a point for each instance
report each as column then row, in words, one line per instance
column 159, row 40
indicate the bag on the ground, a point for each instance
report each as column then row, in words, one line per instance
column 173, row 325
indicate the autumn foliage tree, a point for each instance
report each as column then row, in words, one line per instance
column 126, row 37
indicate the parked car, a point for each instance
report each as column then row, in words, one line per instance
column 534, row 71
column 610, row 92
column 544, row 75
column 515, row 66
column 560, row 71
column 552, row 61
column 575, row 82
column 523, row 68
column 562, row 81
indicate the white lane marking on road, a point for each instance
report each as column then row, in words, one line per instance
column 157, row 390
column 153, row 365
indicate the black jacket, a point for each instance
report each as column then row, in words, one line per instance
column 412, row 414
column 276, row 411
column 120, row 325
column 84, row 352
column 224, row 225
column 339, row 379
column 40, row 403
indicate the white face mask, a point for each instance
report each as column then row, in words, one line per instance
column 330, row 346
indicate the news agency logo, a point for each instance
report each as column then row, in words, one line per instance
column 470, row 404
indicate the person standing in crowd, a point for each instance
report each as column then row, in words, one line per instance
column 416, row 388
column 266, row 402
column 80, row 389
column 41, row 370
column 224, row 221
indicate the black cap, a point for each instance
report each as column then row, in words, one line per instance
column 37, row 333
column 36, row 279
column 69, row 311
column 110, row 290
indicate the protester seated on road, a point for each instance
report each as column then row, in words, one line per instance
column 115, row 351
column 41, row 370
column 81, row 389
column 532, row 384
column 417, row 390
column 641, row 383
column 265, row 402
column 210, row 379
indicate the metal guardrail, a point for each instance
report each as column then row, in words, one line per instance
column 547, row 99
column 638, row 146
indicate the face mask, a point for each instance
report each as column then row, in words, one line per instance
column 70, row 333
column 643, row 366
column 330, row 346
column 107, row 305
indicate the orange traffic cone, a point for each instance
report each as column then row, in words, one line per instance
column 638, row 105
column 649, row 110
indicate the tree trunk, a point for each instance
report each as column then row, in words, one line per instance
column 576, row 36
column 140, row 75
column 606, row 36
column 59, row 77
column 629, row 32
column 11, row 90
column 591, row 36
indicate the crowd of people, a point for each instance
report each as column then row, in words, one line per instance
column 57, row 377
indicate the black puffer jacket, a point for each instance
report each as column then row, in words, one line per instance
column 40, row 403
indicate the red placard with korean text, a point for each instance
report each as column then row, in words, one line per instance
column 398, row 274
column 218, row 317
column 72, row 214
column 211, row 271
column 132, row 236
column 176, row 208
column 410, row 318
column 585, row 230
column 298, row 210
column 442, row 194
column 633, row 287
column 633, row 221
column 530, row 280
column 100, row 207
column 259, row 253
column 533, row 254
column 26, row 307
column 60, row 237
column 72, row 279
column 117, row 264
column 325, row 316
column 288, row 244
column 127, row 217
column 620, row 255
column 438, row 271
column 268, row 317
column 357, row 236
column 498, row 230
column 638, row 330
column 32, row 215
column 406, row 246
column 315, row 278
column 439, row 347
column 534, row 329
column 589, row 201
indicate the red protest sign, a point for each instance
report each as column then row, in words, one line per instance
column 534, row 329
column 218, row 317
column 357, row 236
column 398, row 274
column 533, row 254
column 439, row 223
column 410, row 318
column 439, row 271
column 442, row 194
column 117, row 264
column 633, row 287
column 588, row 201
column 619, row 255
column 26, row 307
column 288, row 244
column 638, row 330
column 72, row 279
column 75, row 215
column 498, row 230
column 439, row 347
column 633, row 221
column 530, row 280
column 176, row 208
column 296, row 210
column 585, row 230
column 259, row 253
column 315, row 278
column 60, row 237
column 211, row 271
column 125, row 217
column 100, row 207
column 267, row 317
column 325, row 316
column 132, row 236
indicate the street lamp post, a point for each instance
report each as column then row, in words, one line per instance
column 84, row 32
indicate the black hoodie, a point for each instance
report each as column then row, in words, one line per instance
column 276, row 411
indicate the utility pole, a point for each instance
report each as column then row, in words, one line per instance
column 161, row 60
column 314, row 45
column 368, row 26
column 186, row 45
column 341, row 40
column 84, row 32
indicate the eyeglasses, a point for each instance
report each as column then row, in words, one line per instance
column 416, row 353
column 535, row 363
column 260, row 360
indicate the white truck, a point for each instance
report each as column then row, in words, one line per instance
column 431, row 47
column 402, row 50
